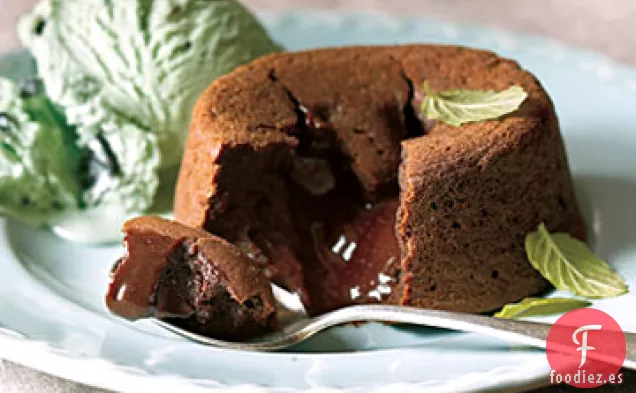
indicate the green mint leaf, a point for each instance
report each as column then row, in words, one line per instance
column 534, row 307
column 460, row 106
column 571, row 266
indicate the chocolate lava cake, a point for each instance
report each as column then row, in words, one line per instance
column 319, row 166
column 191, row 279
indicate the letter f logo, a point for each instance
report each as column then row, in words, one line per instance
column 583, row 344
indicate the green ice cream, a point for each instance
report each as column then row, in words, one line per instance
column 39, row 159
column 127, row 74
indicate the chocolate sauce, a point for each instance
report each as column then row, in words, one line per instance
column 135, row 278
column 133, row 284
column 347, row 261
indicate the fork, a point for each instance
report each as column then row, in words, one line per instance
column 296, row 326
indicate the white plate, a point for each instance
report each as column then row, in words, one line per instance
column 52, row 316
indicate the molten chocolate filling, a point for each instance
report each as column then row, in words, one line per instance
column 307, row 221
column 348, row 245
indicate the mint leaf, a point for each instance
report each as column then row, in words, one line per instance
column 460, row 106
column 571, row 266
column 533, row 307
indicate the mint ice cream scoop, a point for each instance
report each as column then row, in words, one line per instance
column 39, row 159
column 127, row 74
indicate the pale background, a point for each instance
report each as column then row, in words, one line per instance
column 607, row 26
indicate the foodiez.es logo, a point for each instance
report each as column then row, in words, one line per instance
column 586, row 348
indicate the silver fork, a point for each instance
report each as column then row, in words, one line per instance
column 296, row 326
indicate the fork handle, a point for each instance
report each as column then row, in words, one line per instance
column 521, row 332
